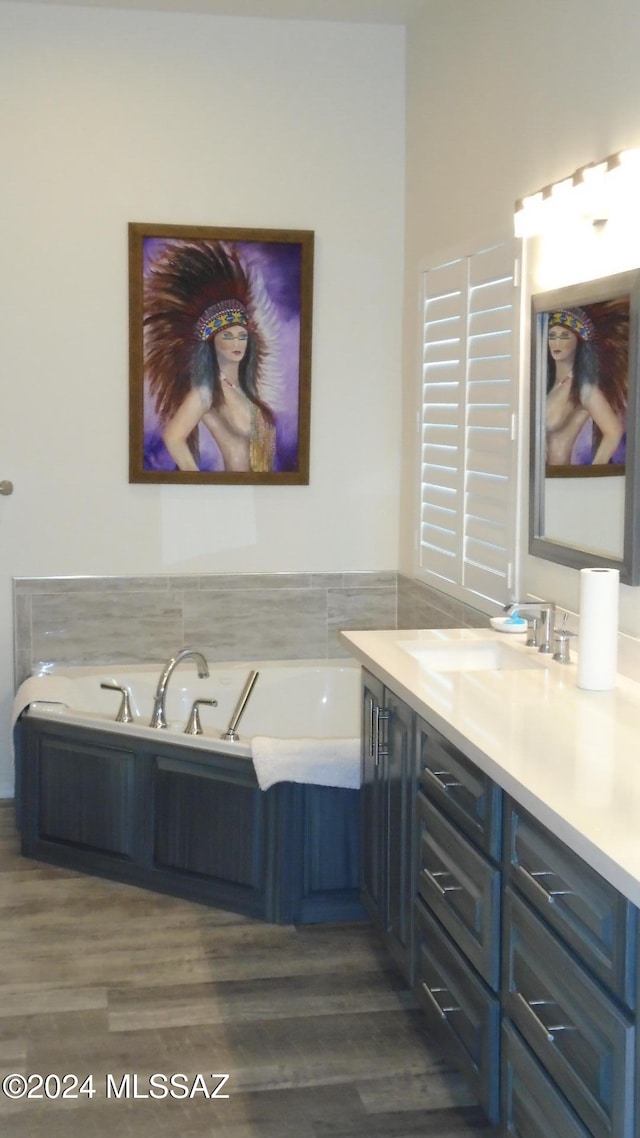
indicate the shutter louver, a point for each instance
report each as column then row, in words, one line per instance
column 469, row 394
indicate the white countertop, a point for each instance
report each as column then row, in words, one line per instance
column 570, row 757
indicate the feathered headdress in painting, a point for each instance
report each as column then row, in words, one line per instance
column 602, row 359
column 611, row 320
column 576, row 320
column 192, row 290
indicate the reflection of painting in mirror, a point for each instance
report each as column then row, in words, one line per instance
column 585, row 341
column 586, row 383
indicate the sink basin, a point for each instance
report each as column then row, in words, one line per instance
column 469, row 656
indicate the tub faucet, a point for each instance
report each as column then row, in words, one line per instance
column 158, row 718
column 547, row 611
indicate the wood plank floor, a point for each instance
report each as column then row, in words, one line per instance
column 317, row 1034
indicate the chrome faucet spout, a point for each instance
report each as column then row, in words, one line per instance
column 547, row 611
column 158, row 716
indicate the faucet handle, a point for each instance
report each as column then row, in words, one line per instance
column 194, row 726
column 563, row 639
column 124, row 713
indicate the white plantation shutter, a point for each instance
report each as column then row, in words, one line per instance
column 467, row 538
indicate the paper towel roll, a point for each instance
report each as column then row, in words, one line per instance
column 598, row 629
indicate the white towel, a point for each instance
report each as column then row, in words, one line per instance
column 325, row 762
column 42, row 689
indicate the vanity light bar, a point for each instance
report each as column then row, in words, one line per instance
column 583, row 194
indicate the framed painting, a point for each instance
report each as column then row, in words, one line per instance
column 584, row 471
column 581, row 362
column 219, row 354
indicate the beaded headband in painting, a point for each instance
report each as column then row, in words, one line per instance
column 576, row 320
column 225, row 314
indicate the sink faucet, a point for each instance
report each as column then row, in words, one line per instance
column 547, row 611
column 158, row 718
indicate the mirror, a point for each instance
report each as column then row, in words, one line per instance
column 583, row 477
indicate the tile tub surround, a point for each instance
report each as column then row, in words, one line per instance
column 268, row 616
column 420, row 606
column 109, row 620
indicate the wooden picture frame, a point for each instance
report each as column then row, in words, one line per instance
column 220, row 325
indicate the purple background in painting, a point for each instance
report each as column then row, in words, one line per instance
column 581, row 454
column 280, row 264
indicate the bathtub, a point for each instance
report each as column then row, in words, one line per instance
column 290, row 700
column 185, row 814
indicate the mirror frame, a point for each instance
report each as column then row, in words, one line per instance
column 604, row 288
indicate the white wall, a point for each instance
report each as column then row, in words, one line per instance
column 504, row 97
column 108, row 117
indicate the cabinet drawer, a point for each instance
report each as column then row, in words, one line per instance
column 583, row 1040
column 462, row 1013
column 531, row 1106
column 461, row 887
column 596, row 921
column 463, row 791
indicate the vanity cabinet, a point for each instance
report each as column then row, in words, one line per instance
column 387, row 797
column 457, row 904
column 533, row 1106
column 580, row 1036
column 462, row 888
column 372, row 825
column 590, row 916
column 462, row 1013
column 569, row 940
column 524, row 957
column 463, row 792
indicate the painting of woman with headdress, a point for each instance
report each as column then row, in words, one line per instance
column 220, row 354
column 587, row 366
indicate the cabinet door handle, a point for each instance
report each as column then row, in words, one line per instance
column 548, row 895
column 439, row 1010
column 379, row 715
column 372, row 727
column 375, row 733
column 382, row 737
column 432, row 877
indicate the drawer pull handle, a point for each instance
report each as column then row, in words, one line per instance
column 432, row 877
column 549, row 895
column 530, row 1005
column 548, row 1032
column 447, row 782
column 440, row 1011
